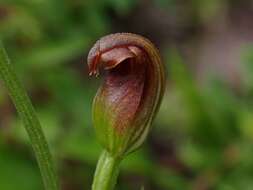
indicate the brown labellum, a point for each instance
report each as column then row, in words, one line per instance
column 130, row 95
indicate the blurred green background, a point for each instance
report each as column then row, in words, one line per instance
column 202, row 138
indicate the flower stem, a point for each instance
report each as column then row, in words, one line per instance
column 107, row 172
column 32, row 125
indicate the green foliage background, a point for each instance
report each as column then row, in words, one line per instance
column 202, row 137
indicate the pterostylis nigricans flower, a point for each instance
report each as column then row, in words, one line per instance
column 129, row 98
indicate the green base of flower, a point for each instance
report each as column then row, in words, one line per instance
column 107, row 172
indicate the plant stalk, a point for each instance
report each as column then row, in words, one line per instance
column 32, row 125
column 107, row 172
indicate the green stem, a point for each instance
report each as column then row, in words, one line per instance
column 32, row 125
column 107, row 172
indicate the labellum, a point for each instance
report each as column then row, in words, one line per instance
column 128, row 100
